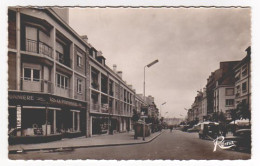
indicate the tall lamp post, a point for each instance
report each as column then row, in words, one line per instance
column 161, row 108
column 149, row 65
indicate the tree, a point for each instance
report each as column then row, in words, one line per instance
column 222, row 117
column 243, row 110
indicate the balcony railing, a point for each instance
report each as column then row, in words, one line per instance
column 38, row 47
column 36, row 85
column 104, row 108
column 95, row 107
column 61, row 59
column 63, row 91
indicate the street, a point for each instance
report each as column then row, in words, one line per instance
column 176, row 145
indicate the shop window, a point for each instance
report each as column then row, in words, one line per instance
column 229, row 102
column 62, row 81
column 31, row 74
column 79, row 86
column 244, row 87
column 229, row 91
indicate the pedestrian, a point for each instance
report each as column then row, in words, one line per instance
column 171, row 127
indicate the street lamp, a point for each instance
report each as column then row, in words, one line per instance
column 161, row 108
column 149, row 65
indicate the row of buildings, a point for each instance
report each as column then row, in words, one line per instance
column 226, row 87
column 59, row 83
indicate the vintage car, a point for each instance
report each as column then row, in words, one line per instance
column 241, row 138
column 209, row 130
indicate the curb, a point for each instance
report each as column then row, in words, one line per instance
column 69, row 148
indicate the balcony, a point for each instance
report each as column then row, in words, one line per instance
column 104, row 108
column 95, row 85
column 95, row 107
column 61, row 58
column 38, row 47
column 36, row 85
column 111, row 93
column 63, row 91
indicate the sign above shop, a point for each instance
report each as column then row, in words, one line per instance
column 24, row 98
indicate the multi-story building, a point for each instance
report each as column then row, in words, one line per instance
column 47, row 71
column 111, row 99
column 243, row 80
column 225, row 68
column 224, row 94
column 190, row 115
column 59, row 84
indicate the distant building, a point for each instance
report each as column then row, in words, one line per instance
column 173, row 121
column 203, row 115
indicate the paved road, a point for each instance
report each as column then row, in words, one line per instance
column 177, row 145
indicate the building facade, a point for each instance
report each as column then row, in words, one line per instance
column 225, row 68
column 243, row 80
column 47, row 72
column 224, row 95
column 111, row 100
column 62, row 81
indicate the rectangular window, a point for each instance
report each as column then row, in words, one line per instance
column 244, row 87
column 229, row 91
column 244, row 70
column 36, row 75
column 31, row 74
column 79, row 59
column 27, row 74
column 62, row 81
column 237, row 76
column 229, row 102
column 79, row 86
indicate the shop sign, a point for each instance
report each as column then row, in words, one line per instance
column 19, row 116
column 65, row 102
column 21, row 98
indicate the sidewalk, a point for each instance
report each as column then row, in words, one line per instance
column 83, row 142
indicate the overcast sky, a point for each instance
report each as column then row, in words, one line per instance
column 189, row 44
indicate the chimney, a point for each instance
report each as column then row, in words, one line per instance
column 114, row 68
column 85, row 37
column 120, row 74
column 130, row 86
column 248, row 50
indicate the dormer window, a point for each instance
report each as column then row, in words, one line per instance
column 94, row 53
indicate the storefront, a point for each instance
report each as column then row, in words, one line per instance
column 35, row 117
column 105, row 124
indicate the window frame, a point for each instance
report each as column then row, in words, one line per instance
column 227, row 102
column 244, row 90
column 32, row 79
column 65, row 79
column 226, row 89
column 79, row 86
column 79, row 59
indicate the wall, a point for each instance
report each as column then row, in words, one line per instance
column 11, row 70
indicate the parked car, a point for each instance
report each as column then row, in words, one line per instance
column 209, row 130
column 241, row 138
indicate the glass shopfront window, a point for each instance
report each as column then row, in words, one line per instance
column 99, row 125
